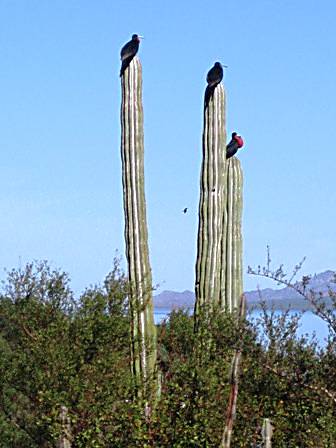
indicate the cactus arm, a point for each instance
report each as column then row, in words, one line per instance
column 232, row 244
column 238, row 234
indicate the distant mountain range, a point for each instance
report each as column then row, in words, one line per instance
column 278, row 298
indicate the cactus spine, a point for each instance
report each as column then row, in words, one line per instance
column 211, row 205
column 232, row 242
column 219, row 250
column 143, row 342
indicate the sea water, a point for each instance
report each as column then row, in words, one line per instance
column 309, row 323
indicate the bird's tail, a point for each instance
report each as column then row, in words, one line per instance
column 208, row 94
column 125, row 63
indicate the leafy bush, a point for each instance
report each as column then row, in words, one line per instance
column 57, row 351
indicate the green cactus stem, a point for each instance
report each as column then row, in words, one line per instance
column 211, row 205
column 143, row 342
column 219, row 249
column 232, row 242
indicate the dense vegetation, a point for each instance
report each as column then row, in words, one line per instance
column 57, row 351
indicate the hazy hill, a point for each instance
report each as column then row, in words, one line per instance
column 279, row 298
column 174, row 299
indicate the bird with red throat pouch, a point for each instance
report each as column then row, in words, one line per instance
column 236, row 143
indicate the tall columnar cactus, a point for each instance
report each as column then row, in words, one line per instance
column 232, row 243
column 136, row 235
column 219, row 251
column 211, row 205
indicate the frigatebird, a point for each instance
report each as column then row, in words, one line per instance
column 235, row 144
column 214, row 77
column 128, row 52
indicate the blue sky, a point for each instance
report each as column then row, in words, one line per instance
column 60, row 176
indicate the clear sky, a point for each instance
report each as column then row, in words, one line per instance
column 60, row 171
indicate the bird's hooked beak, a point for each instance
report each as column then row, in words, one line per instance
column 226, row 66
column 140, row 37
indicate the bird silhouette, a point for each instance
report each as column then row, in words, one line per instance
column 185, row 210
column 214, row 77
column 235, row 144
column 128, row 52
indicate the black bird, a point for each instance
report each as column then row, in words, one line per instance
column 235, row 144
column 185, row 210
column 215, row 75
column 128, row 52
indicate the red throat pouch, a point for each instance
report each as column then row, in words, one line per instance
column 239, row 140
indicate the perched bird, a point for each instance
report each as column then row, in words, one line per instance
column 215, row 75
column 185, row 210
column 235, row 144
column 128, row 52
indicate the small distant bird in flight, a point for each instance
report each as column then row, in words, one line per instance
column 185, row 210
column 128, row 52
column 236, row 143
